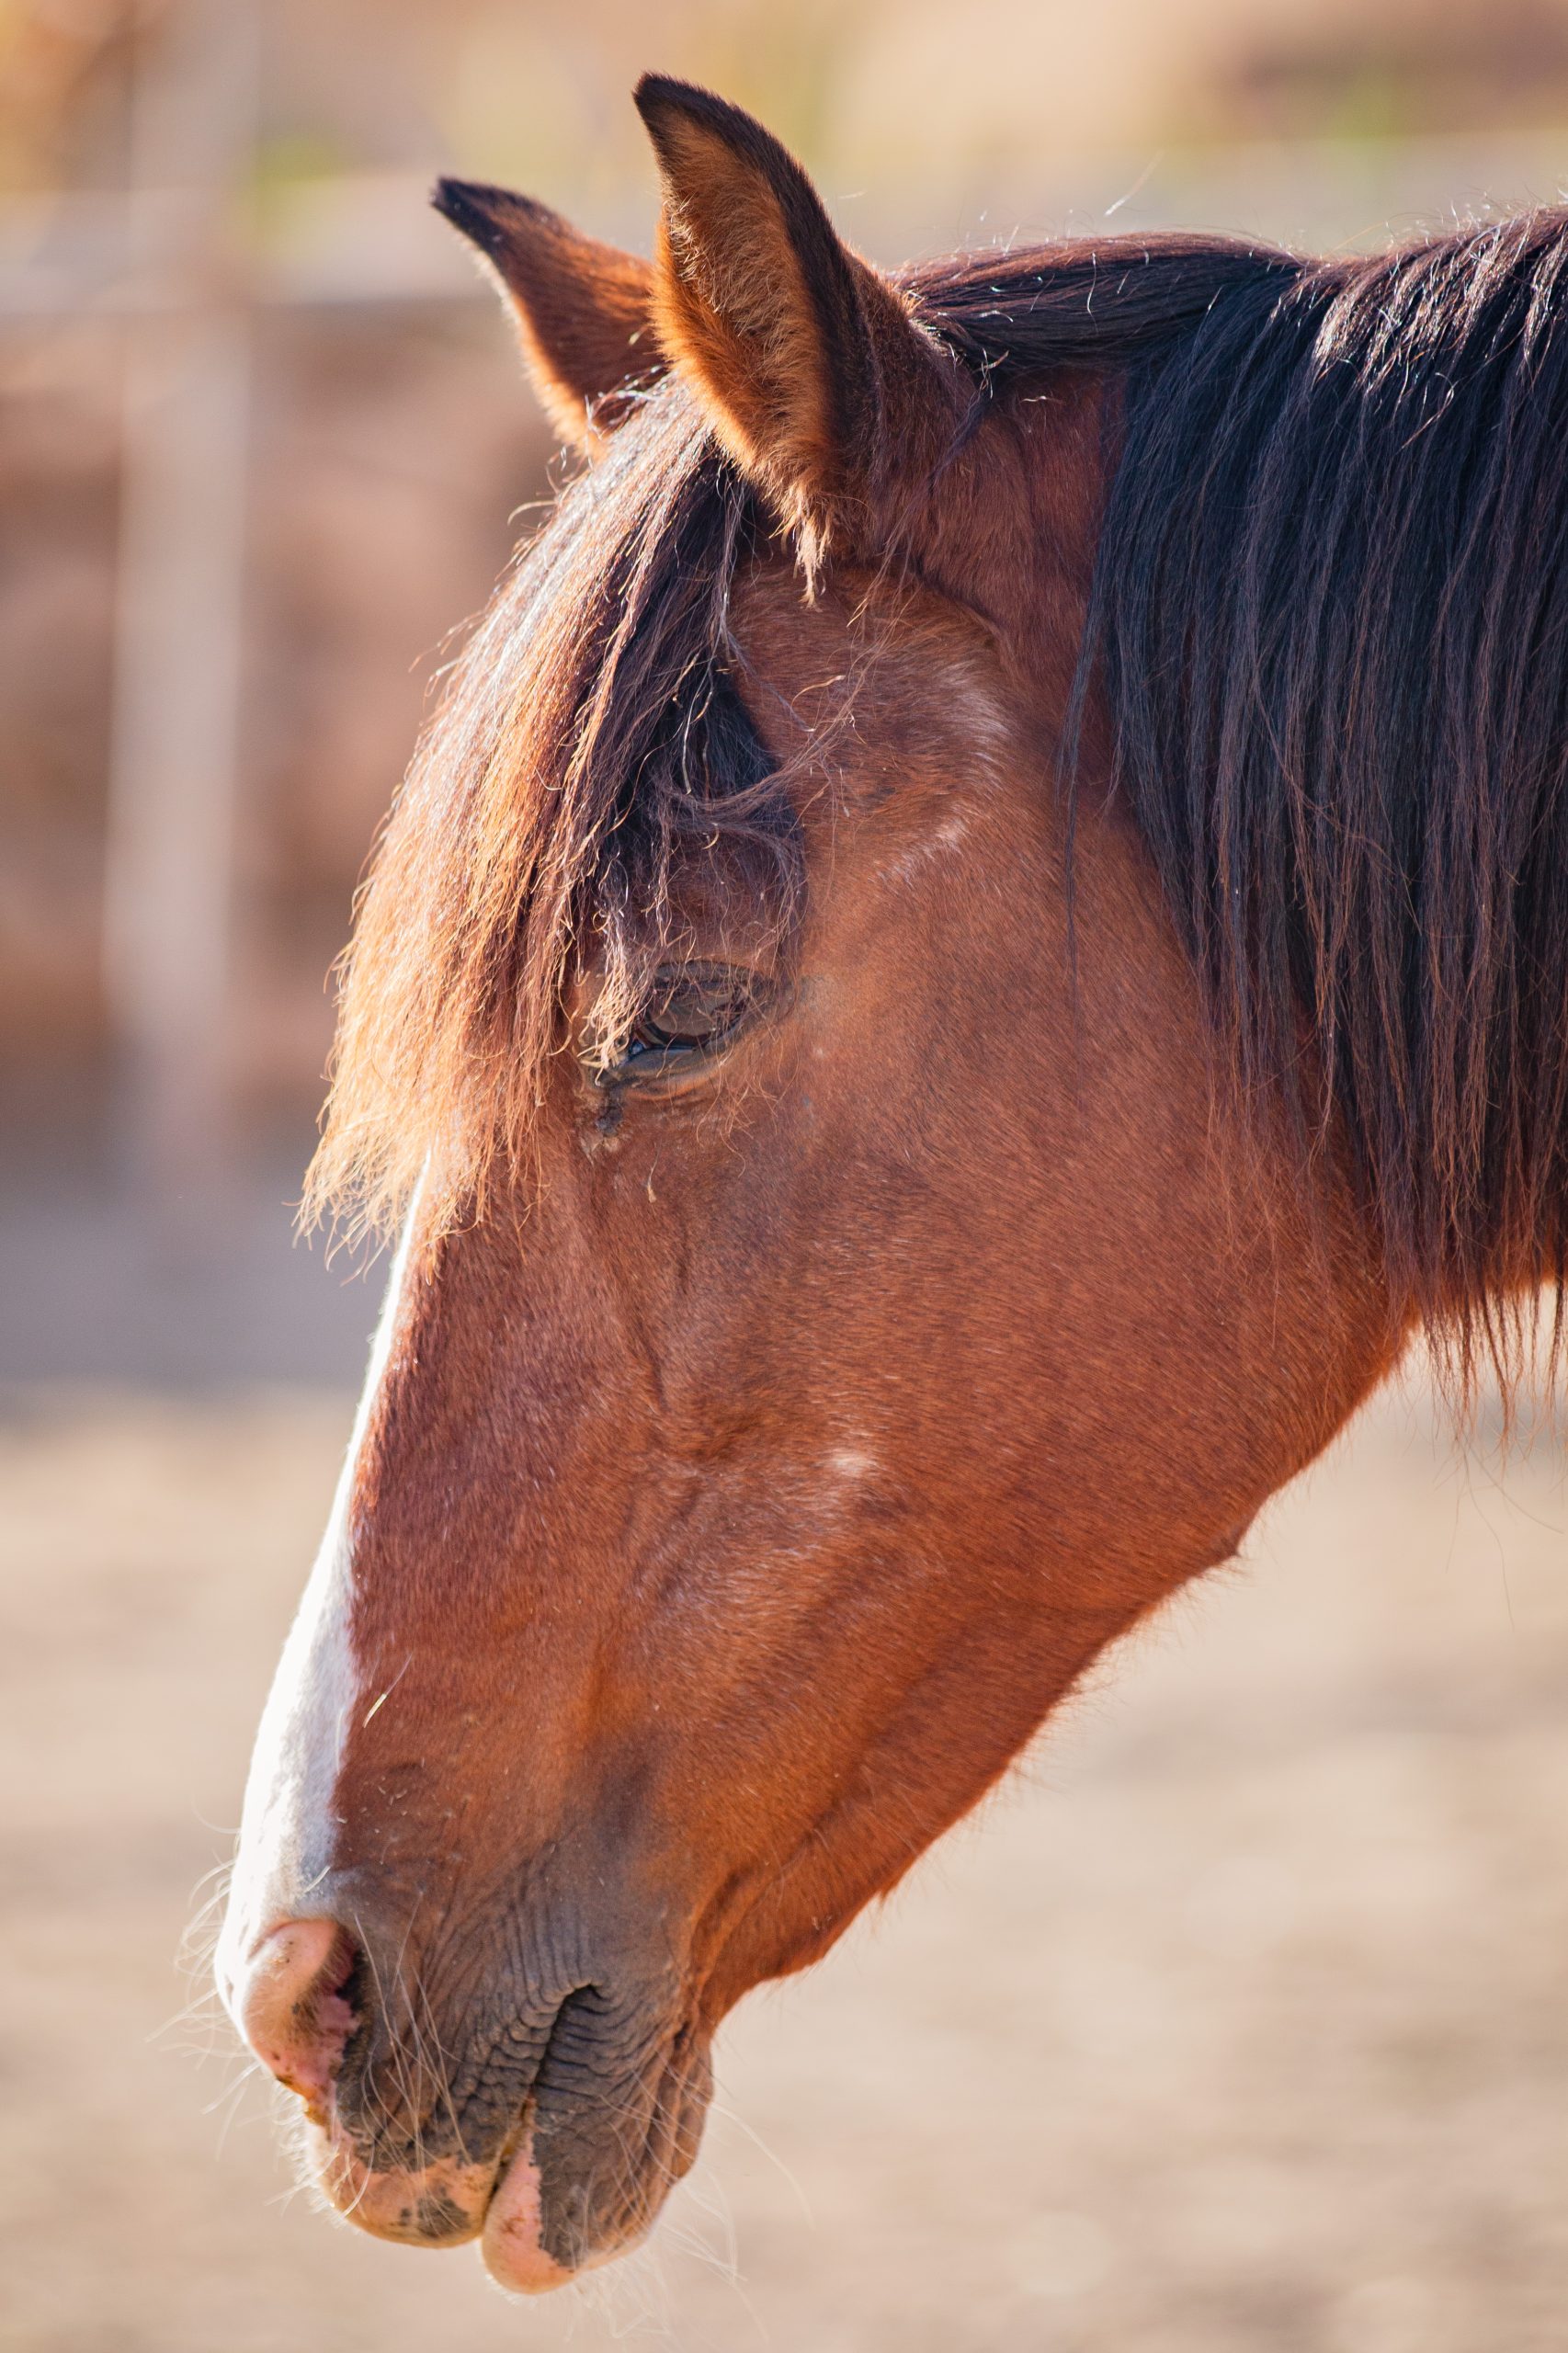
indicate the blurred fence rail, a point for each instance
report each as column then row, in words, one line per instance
column 363, row 237
column 174, row 270
column 168, row 903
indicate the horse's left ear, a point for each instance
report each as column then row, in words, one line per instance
column 813, row 369
column 584, row 310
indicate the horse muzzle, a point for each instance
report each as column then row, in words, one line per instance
column 553, row 2135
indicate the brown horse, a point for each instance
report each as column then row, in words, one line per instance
column 983, row 936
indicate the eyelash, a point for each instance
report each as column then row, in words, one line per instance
column 708, row 1006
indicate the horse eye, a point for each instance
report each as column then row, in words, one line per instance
column 688, row 1013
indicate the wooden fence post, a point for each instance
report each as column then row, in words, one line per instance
column 168, row 894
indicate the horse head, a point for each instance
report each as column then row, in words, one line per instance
column 839, row 1290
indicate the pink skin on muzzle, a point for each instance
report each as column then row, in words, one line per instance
column 290, row 2007
column 288, row 2003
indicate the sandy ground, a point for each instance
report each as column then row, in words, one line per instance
column 1238, row 2023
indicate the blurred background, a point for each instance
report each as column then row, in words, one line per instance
column 1239, row 2022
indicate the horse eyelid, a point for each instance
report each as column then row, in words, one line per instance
column 737, row 1007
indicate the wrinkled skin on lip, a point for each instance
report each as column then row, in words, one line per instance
column 603, row 2103
column 446, row 2202
column 735, row 1495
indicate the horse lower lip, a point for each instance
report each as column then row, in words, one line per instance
column 513, row 2255
column 511, row 2242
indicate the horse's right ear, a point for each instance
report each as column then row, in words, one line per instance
column 583, row 311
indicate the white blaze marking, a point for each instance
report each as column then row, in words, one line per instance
column 287, row 1827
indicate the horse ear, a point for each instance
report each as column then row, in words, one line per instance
column 813, row 369
column 583, row 311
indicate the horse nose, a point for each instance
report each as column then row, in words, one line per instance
column 294, row 2003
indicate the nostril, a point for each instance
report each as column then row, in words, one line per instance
column 296, row 2003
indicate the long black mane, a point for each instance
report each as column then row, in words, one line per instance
column 1329, row 621
column 1328, row 624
